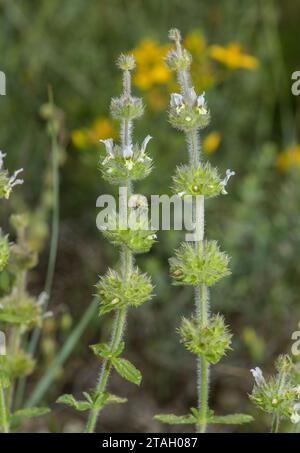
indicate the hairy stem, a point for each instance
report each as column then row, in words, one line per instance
column 126, row 266
column 3, row 412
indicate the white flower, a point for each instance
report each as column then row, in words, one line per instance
column 137, row 201
column 145, row 143
column 201, row 104
column 192, row 95
column 176, row 100
column 229, row 173
column 2, row 155
column 152, row 236
column 12, row 182
column 128, row 152
column 109, row 145
column 295, row 417
column 258, row 376
column 181, row 194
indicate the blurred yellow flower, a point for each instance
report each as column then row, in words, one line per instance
column 151, row 69
column 289, row 157
column 156, row 100
column 79, row 138
column 211, row 142
column 233, row 57
column 101, row 128
column 195, row 42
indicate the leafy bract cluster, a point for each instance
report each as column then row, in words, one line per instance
column 136, row 236
column 205, row 265
column 210, row 341
column 200, row 180
column 7, row 183
column 115, row 292
column 278, row 394
column 119, row 165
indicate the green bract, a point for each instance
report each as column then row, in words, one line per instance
column 200, row 180
column 186, row 118
column 4, row 251
column 4, row 184
column 138, row 240
column 23, row 310
column 116, row 169
column 18, row 365
column 126, row 107
column 210, row 341
column 22, row 257
column 115, row 292
column 177, row 62
column 270, row 398
column 205, row 266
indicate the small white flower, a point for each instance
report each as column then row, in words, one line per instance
column 145, row 143
column 295, row 418
column 109, row 145
column 152, row 236
column 2, row 155
column 229, row 173
column 181, row 194
column 128, row 152
column 201, row 104
column 258, row 376
column 12, row 182
column 137, row 201
column 129, row 164
column 176, row 100
column 192, row 94
column 188, row 119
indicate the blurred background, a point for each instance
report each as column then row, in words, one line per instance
column 244, row 54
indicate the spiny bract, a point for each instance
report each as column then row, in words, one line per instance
column 206, row 265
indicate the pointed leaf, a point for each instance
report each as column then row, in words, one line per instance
column 127, row 370
column 172, row 419
column 69, row 400
column 114, row 399
column 234, row 419
column 30, row 412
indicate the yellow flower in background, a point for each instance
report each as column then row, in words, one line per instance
column 79, row 138
column 151, row 69
column 289, row 157
column 101, row 128
column 233, row 57
column 211, row 142
column 195, row 42
column 157, row 100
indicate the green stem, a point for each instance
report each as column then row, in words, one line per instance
column 120, row 320
column 106, row 368
column 33, row 343
column 3, row 413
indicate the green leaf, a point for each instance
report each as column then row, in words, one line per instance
column 103, row 350
column 172, row 419
column 234, row 419
column 127, row 370
column 69, row 400
column 114, row 399
column 30, row 412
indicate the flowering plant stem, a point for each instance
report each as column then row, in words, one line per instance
column 199, row 263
